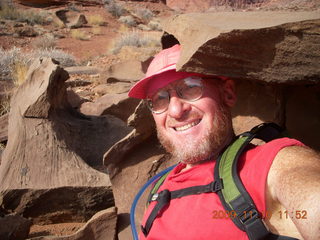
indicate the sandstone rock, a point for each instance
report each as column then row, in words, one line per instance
column 114, row 88
column 250, row 45
column 133, row 71
column 88, row 70
column 303, row 115
column 51, row 145
column 189, row 5
column 14, row 227
column 119, row 105
column 74, row 99
column 102, row 226
column 257, row 103
column 57, row 205
column 71, row 19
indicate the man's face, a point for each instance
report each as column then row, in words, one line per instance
column 194, row 131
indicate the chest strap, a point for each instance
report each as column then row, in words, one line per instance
column 164, row 197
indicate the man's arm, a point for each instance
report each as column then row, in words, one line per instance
column 294, row 182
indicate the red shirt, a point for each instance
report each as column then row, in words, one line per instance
column 202, row 216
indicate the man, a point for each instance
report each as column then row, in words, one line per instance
column 193, row 120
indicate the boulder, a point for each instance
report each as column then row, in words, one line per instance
column 102, row 226
column 117, row 87
column 14, row 227
column 50, row 144
column 119, row 105
column 57, row 205
column 71, row 19
column 134, row 70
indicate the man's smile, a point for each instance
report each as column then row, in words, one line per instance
column 187, row 126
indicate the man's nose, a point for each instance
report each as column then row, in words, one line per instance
column 177, row 106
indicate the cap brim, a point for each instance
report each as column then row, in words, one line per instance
column 139, row 89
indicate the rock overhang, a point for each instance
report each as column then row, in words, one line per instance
column 273, row 47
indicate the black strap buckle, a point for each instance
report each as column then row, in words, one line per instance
column 248, row 215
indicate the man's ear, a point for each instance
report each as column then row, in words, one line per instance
column 229, row 93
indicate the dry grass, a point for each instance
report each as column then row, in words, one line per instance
column 128, row 21
column 134, row 39
column 96, row 31
column 116, row 9
column 80, row 35
column 5, row 105
column 44, row 42
column 19, row 72
column 144, row 14
column 96, row 20
column 28, row 16
column 13, row 61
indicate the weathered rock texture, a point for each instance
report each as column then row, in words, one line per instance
column 50, row 145
column 14, row 227
column 102, row 226
column 57, row 205
column 250, row 45
column 273, row 59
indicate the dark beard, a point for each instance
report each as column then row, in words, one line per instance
column 192, row 152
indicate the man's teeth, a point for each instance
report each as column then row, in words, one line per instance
column 185, row 127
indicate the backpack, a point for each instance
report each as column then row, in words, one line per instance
column 227, row 184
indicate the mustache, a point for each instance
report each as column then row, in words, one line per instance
column 185, row 117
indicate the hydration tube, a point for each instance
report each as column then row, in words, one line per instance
column 137, row 197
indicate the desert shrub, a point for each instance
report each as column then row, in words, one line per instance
column 96, row 20
column 14, row 62
column 65, row 59
column 128, row 20
column 134, row 39
column 154, row 26
column 81, row 35
column 27, row 16
column 44, row 42
column 115, row 9
column 144, row 14
column 19, row 72
column 96, row 30
column 143, row 27
column 4, row 106
column 7, row 59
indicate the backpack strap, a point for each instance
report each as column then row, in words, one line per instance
column 164, row 197
column 234, row 196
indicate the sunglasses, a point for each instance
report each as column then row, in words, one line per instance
column 189, row 89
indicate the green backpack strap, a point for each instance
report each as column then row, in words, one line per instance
column 233, row 195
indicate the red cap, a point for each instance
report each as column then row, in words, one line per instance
column 161, row 71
